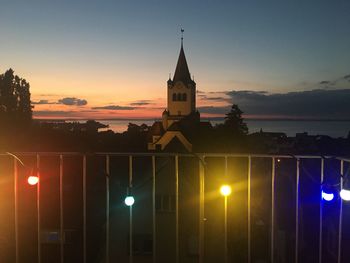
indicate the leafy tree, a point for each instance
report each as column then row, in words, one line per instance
column 15, row 104
column 234, row 121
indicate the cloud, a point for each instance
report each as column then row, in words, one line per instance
column 72, row 101
column 49, row 95
column 220, row 96
column 214, row 110
column 113, row 107
column 325, row 82
column 216, row 98
column 48, row 113
column 43, row 102
column 69, row 101
column 347, row 77
column 141, row 103
column 317, row 103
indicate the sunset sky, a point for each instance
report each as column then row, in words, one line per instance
column 111, row 59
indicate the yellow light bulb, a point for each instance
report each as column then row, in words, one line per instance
column 225, row 190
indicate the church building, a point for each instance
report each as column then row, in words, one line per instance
column 180, row 120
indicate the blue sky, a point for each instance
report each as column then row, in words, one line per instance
column 121, row 52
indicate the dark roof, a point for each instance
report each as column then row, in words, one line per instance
column 181, row 72
column 157, row 128
column 175, row 126
column 175, row 145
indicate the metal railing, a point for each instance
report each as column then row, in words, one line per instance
column 201, row 159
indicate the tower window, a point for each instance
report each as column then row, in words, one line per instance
column 179, row 97
column 184, row 96
column 174, row 97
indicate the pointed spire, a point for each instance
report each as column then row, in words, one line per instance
column 182, row 72
column 182, row 36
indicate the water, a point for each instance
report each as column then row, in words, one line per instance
column 332, row 128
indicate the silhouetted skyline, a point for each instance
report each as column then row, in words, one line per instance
column 93, row 59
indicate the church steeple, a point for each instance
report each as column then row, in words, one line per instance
column 182, row 72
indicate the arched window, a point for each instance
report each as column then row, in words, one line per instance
column 174, row 96
column 184, row 96
column 179, row 97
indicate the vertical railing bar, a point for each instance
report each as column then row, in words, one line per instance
column 321, row 214
column 225, row 226
column 130, row 212
column 225, row 216
column 154, row 208
column 340, row 212
column 297, row 211
column 248, row 208
column 61, row 211
column 107, row 207
column 273, row 174
column 15, row 167
column 177, row 208
column 38, row 205
column 84, row 208
column 201, row 209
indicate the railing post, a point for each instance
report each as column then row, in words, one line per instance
column 225, row 218
column 38, row 206
column 154, row 208
column 107, row 207
column 321, row 214
column 273, row 174
column 130, row 214
column 201, row 209
column 340, row 213
column 15, row 173
column 177, row 209
column 297, row 211
column 84, row 208
column 248, row 208
column 61, row 211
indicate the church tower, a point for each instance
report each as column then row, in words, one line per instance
column 181, row 124
column 181, row 91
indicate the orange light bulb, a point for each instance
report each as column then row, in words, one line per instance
column 33, row 180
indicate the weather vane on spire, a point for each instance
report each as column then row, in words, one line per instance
column 182, row 35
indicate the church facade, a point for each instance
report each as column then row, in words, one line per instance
column 181, row 118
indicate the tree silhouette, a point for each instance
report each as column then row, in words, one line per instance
column 234, row 121
column 15, row 104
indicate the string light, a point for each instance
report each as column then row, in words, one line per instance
column 129, row 200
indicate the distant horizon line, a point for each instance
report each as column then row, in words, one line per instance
column 204, row 119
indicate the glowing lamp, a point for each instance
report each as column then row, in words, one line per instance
column 129, row 200
column 345, row 194
column 225, row 190
column 327, row 196
column 33, row 180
